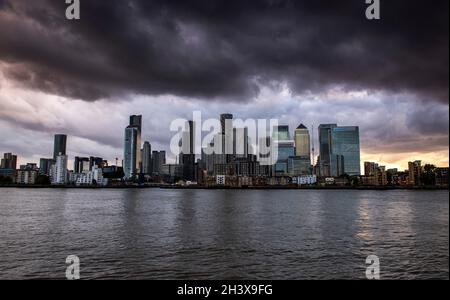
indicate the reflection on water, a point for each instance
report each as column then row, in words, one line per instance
column 230, row 234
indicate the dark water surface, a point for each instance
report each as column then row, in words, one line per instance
column 230, row 234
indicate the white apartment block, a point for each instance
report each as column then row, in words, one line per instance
column 59, row 170
column 26, row 176
column 91, row 177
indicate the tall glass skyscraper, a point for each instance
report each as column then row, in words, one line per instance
column 325, row 142
column 339, row 150
column 302, row 141
column 281, row 133
column 301, row 163
column 136, row 121
column 187, row 155
column 346, row 144
column 158, row 160
column 286, row 149
column 59, row 146
column 132, row 148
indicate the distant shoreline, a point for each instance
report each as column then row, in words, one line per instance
column 364, row 188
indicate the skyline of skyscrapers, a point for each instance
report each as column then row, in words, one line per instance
column 339, row 151
column 339, row 155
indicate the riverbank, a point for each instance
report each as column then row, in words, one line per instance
column 195, row 187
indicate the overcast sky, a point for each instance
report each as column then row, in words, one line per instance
column 298, row 61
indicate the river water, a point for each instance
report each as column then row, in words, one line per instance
column 223, row 234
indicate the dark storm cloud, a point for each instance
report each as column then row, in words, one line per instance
column 429, row 121
column 224, row 49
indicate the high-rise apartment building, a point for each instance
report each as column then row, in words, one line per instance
column 147, row 158
column 370, row 168
column 59, row 170
column 414, row 172
column 132, row 148
column 375, row 174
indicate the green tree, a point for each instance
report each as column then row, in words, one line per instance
column 43, row 180
column 5, row 179
column 354, row 181
column 428, row 176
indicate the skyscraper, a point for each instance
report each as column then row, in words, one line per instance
column 240, row 142
column 346, row 146
column 302, row 141
column 187, row 155
column 9, row 161
column 136, row 121
column 132, row 150
column 325, row 142
column 281, row 133
column 226, row 123
column 339, row 150
column 223, row 121
column 286, row 149
column 158, row 159
column 59, row 146
column 45, row 166
column 299, row 165
column 147, row 158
